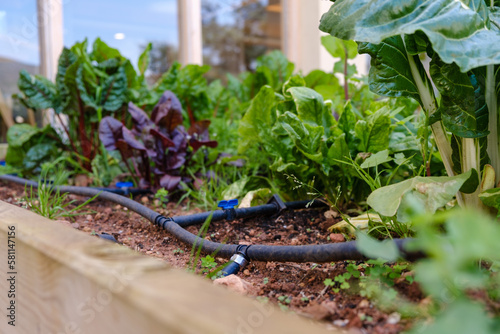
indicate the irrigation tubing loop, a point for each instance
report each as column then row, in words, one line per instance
column 175, row 225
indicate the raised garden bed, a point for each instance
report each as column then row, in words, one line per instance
column 295, row 288
column 69, row 282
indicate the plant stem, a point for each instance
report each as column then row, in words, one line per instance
column 491, row 102
column 471, row 159
column 429, row 104
column 346, row 83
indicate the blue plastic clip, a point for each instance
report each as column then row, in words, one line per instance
column 228, row 207
column 124, row 185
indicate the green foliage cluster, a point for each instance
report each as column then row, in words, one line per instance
column 464, row 68
column 299, row 136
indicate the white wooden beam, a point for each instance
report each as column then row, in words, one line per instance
column 50, row 32
column 190, row 35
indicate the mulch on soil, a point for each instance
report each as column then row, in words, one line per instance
column 295, row 287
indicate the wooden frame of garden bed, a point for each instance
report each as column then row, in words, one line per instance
column 68, row 282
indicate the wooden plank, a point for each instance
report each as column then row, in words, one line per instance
column 69, row 282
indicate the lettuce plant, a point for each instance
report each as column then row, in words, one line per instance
column 297, row 138
column 462, row 39
column 156, row 148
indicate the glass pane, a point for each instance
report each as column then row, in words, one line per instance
column 236, row 32
column 127, row 25
column 19, row 50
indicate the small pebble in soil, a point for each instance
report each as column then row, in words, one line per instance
column 341, row 322
column 364, row 303
column 393, row 318
column 336, row 237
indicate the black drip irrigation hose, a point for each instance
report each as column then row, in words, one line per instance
column 238, row 253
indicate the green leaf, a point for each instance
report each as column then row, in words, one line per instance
column 390, row 73
column 310, row 107
column 101, row 51
column 463, row 112
column 39, row 92
column 374, row 133
column 432, row 192
column 19, row 134
column 320, row 78
column 339, row 48
column 294, row 81
column 459, row 31
column 65, row 60
column 339, row 67
column 372, row 248
column 307, row 138
column 255, row 126
column 462, row 316
column 88, row 99
column 339, row 151
column 114, row 91
column 376, row 159
column 491, row 198
column 37, row 154
column 143, row 61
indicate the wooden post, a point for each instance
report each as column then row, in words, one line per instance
column 50, row 36
column 66, row 281
column 190, row 35
column 50, row 33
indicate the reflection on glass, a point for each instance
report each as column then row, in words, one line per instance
column 18, row 51
column 127, row 25
column 236, row 32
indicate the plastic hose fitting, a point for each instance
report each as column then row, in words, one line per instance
column 228, row 207
column 238, row 261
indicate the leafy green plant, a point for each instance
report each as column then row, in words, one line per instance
column 371, row 277
column 30, row 146
column 464, row 57
column 300, row 137
column 48, row 201
column 88, row 87
column 162, row 196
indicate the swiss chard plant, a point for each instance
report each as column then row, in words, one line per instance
column 88, row 87
column 157, row 149
column 461, row 89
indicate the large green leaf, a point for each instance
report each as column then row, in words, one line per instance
column 306, row 137
column 390, row 73
column 374, row 132
column 102, row 52
column 463, row 112
column 256, row 124
column 310, row 107
column 114, row 91
column 339, row 48
column 143, row 61
column 19, row 134
column 432, row 192
column 65, row 60
column 459, row 31
column 39, row 92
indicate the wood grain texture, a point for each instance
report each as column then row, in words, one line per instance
column 69, row 282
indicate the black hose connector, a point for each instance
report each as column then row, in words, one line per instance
column 238, row 261
column 162, row 221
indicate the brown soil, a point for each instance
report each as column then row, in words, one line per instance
column 294, row 287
